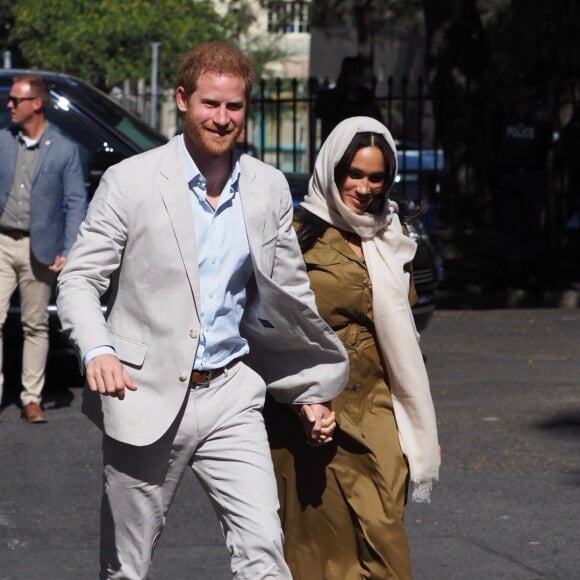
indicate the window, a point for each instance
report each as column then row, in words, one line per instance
column 288, row 16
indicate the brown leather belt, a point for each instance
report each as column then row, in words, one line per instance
column 204, row 377
column 14, row 234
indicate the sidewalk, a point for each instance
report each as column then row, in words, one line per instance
column 506, row 387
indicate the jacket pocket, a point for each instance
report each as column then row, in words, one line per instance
column 129, row 351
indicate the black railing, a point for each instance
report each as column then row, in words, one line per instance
column 283, row 126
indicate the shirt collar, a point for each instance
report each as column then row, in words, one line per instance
column 193, row 175
column 31, row 143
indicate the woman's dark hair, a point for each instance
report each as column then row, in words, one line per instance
column 311, row 228
column 359, row 141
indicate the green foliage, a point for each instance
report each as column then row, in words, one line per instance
column 108, row 41
column 260, row 48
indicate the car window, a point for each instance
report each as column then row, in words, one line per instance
column 130, row 129
column 69, row 93
column 104, row 132
column 108, row 111
column 88, row 136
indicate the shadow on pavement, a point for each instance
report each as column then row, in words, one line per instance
column 565, row 424
column 63, row 378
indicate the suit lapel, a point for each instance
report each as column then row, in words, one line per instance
column 254, row 214
column 46, row 145
column 176, row 198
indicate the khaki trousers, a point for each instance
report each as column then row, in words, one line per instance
column 19, row 269
column 220, row 436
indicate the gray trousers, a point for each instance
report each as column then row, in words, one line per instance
column 220, row 435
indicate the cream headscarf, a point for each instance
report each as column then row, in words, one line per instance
column 386, row 250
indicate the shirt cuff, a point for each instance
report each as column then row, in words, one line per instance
column 105, row 349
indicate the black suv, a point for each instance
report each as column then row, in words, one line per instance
column 105, row 133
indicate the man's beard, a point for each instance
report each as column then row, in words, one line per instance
column 207, row 141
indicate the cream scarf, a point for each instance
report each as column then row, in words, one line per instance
column 386, row 250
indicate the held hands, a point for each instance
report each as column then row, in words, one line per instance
column 319, row 422
column 107, row 376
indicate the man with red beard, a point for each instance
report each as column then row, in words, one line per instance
column 210, row 305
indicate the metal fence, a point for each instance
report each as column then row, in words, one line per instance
column 283, row 127
column 282, row 123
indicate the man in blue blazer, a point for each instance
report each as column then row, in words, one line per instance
column 42, row 204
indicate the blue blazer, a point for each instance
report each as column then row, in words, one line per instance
column 58, row 198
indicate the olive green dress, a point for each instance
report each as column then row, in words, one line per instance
column 341, row 504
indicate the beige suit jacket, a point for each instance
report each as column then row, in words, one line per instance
column 139, row 238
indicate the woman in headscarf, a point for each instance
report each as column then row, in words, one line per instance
column 342, row 503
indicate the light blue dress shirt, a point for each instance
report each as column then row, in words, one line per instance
column 225, row 267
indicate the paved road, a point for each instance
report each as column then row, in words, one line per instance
column 506, row 384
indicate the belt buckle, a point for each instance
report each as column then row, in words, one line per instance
column 204, row 377
column 200, row 377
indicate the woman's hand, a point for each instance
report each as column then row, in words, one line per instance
column 319, row 422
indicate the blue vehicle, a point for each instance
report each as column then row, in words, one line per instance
column 418, row 179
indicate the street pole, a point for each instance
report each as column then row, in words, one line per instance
column 154, row 90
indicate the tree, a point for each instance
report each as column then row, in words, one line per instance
column 107, row 42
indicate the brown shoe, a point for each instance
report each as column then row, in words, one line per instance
column 33, row 413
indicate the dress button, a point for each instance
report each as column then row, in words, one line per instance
column 183, row 376
column 193, row 333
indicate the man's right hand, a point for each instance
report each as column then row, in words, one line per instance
column 107, row 376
